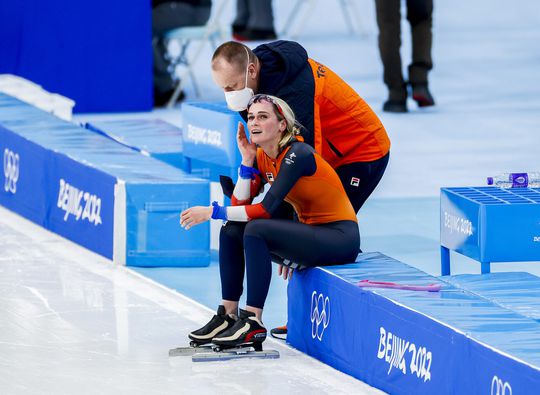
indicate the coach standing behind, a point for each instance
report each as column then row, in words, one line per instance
column 336, row 121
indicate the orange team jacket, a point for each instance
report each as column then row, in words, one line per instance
column 301, row 177
column 346, row 130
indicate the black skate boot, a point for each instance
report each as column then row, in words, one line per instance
column 248, row 330
column 218, row 324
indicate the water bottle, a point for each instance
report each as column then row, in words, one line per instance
column 515, row 180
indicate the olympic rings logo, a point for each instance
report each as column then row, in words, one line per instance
column 499, row 387
column 320, row 314
column 11, row 170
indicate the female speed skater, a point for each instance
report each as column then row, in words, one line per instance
column 326, row 232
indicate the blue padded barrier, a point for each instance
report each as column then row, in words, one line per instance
column 516, row 291
column 163, row 141
column 209, row 137
column 151, row 137
column 411, row 342
column 96, row 192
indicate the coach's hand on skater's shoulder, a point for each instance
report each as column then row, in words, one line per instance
column 194, row 216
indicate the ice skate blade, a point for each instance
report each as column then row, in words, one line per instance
column 189, row 351
column 237, row 353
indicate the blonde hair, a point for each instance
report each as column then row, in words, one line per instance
column 283, row 113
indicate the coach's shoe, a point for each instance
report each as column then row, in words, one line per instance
column 280, row 332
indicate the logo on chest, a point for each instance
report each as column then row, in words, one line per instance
column 270, row 177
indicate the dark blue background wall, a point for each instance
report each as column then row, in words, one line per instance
column 97, row 52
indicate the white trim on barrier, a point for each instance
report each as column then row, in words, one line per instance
column 119, row 235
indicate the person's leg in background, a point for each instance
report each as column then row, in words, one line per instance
column 240, row 21
column 389, row 22
column 254, row 20
column 419, row 15
column 165, row 17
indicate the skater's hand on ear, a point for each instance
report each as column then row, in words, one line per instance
column 285, row 272
column 194, row 216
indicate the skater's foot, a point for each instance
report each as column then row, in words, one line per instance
column 248, row 329
column 217, row 325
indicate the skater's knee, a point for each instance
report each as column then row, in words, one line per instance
column 256, row 228
column 232, row 232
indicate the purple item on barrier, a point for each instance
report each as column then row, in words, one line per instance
column 384, row 284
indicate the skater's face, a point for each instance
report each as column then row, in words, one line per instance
column 265, row 128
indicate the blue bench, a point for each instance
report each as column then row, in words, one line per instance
column 490, row 224
column 516, row 291
column 403, row 342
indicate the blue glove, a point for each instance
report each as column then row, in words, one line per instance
column 218, row 212
column 248, row 172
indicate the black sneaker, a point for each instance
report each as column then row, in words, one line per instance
column 248, row 329
column 254, row 35
column 217, row 325
column 399, row 106
column 280, row 332
column 422, row 95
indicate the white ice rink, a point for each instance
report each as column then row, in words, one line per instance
column 73, row 323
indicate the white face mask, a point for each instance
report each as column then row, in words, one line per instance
column 238, row 100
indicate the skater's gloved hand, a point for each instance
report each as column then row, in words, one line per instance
column 285, row 272
column 194, row 216
column 247, row 149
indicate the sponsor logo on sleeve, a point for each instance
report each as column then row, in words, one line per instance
column 11, row 171
column 320, row 314
column 290, row 159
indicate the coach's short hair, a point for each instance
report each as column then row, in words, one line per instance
column 234, row 53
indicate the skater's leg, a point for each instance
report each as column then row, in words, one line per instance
column 307, row 245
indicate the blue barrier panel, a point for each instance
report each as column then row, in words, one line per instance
column 152, row 137
column 23, row 186
column 474, row 220
column 157, row 237
column 97, row 53
column 209, row 133
column 516, row 291
column 81, row 204
column 448, row 342
column 88, row 187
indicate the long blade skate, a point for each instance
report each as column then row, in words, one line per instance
column 242, row 351
column 190, row 350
